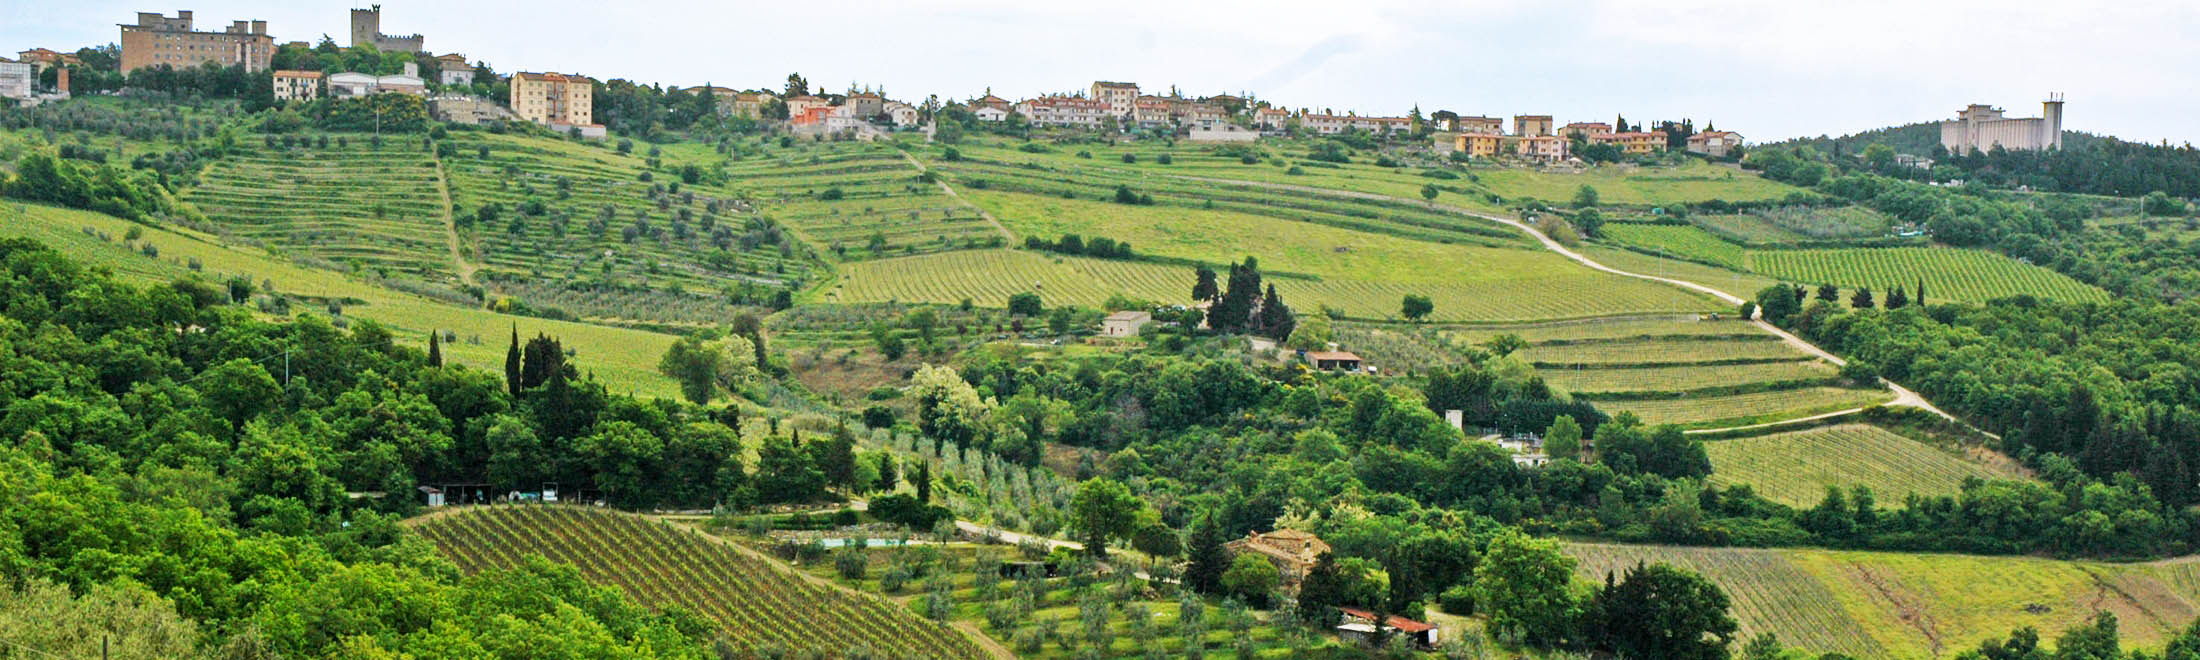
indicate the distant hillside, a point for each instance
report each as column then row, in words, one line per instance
column 1917, row 139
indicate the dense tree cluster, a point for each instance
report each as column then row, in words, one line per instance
column 1097, row 246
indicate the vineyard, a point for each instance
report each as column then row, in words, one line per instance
column 1948, row 273
column 1733, row 282
column 348, row 202
column 1681, row 241
column 1673, row 379
column 1793, row 224
column 1750, row 408
column 1917, row 606
column 1795, row 468
column 1660, row 351
column 760, row 607
column 861, row 201
column 1514, row 285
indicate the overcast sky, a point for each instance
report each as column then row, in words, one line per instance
column 1771, row 69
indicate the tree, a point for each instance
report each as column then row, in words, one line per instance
column 784, row 473
column 1103, row 509
column 1563, row 439
column 238, row 391
column 1025, row 304
column 1829, row 293
column 1778, row 302
column 797, row 86
column 1203, row 287
column 1862, row 299
column 1276, row 320
column 1589, row 222
column 1322, row 590
column 1919, row 299
column 949, row 410
column 1663, row 612
column 923, row 481
column 1312, row 334
column 706, row 367
column 2161, row 204
column 1522, row 585
column 511, row 364
column 1251, row 578
column 1207, row 556
column 1156, row 540
column 1585, row 197
column 1429, row 192
column 1416, row 307
column 435, row 348
column 1897, row 299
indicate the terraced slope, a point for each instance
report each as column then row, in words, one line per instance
column 351, row 203
column 860, row 201
column 761, row 607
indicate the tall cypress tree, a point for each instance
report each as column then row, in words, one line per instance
column 1276, row 321
column 1203, row 285
column 511, row 364
column 1321, row 590
column 1208, row 558
column 924, row 480
column 435, row 348
column 1919, row 299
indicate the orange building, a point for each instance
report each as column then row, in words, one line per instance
column 158, row 39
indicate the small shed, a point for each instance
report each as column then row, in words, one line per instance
column 1358, row 625
column 434, row 494
column 1333, row 360
column 1125, row 323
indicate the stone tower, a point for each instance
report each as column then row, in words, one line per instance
column 366, row 25
column 2051, row 115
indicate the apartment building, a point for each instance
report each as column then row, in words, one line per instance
column 800, row 105
column 1491, row 125
column 157, row 39
column 41, row 59
column 1716, row 144
column 1585, row 128
column 1334, row 124
column 1548, row 148
column 1532, row 125
column 452, row 69
column 1478, row 145
column 553, row 98
column 1067, row 111
column 297, row 86
column 16, row 79
column 1121, row 97
column 1272, row 121
column 866, row 104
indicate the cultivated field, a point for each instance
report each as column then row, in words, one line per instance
column 1898, row 605
column 624, row 360
column 1659, row 351
column 1681, row 241
column 1948, row 273
column 1794, row 224
column 1133, row 621
column 1719, row 411
column 349, row 204
column 1795, row 468
column 860, row 200
column 759, row 606
column 1507, row 285
column 1671, row 379
column 1733, row 282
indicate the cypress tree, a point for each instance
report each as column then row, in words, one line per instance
column 1203, row 286
column 924, row 481
column 511, row 364
column 1208, row 558
column 1919, row 299
column 435, row 348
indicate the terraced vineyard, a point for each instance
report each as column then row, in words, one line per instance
column 1759, row 347
column 1735, row 283
column 349, row 203
column 862, row 200
column 1918, row 606
column 1514, row 284
column 579, row 229
column 1795, row 468
column 759, row 606
column 1948, row 273
column 1590, row 382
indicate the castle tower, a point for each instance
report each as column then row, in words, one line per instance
column 2051, row 116
column 366, row 25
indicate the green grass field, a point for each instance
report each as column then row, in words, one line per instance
column 625, row 360
column 1919, row 606
column 1795, row 224
column 1948, row 273
column 1669, row 379
column 1732, row 282
column 1637, row 186
column 1795, row 468
column 1756, row 347
column 1491, row 284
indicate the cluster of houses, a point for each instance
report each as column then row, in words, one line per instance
column 1534, row 138
column 1294, row 553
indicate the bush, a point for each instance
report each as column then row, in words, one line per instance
column 1164, row 159
column 878, row 417
column 1295, row 170
column 1130, row 158
column 832, row 194
column 1458, row 600
column 850, row 562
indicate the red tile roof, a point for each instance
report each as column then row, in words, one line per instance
column 1331, row 355
column 1395, row 622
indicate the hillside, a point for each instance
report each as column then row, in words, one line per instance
column 1917, row 606
column 761, row 607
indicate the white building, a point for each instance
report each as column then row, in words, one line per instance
column 990, row 113
column 903, row 114
column 1981, row 127
column 452, row 69
column 1222, row 132
column 1066, row 111
column 353, row 83
column 16, row 79
column 1125, row 323
column 1334, row 124
column 1716, row 144
column 297, row 85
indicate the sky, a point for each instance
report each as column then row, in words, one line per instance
column 1770, row 69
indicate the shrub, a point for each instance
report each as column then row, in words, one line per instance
column 1164, row 159
column 832, row 194
column 850, row 562
column 1130, row 158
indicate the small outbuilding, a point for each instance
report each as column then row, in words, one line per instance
column 1358, row 625
column 1333, row 360
column 1125, row 323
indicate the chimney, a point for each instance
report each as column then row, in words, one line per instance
column 61, row 79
